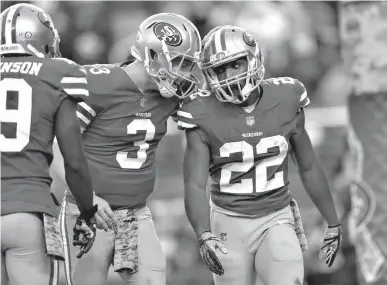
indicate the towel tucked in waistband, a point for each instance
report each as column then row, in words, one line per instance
column 299, row 228
column 126, row 241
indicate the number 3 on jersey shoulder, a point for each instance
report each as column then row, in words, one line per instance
column 137, row 125
column 247, row 150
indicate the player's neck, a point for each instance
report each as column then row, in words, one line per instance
column 253, row 98
column 140, row 76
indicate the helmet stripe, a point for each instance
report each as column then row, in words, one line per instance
column 9, row 24
column 223, row 39
column 3, row 21
column 218, row 44
column 13, row 24
column 213, row 45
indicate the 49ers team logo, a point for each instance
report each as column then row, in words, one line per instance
column 168, row 33
column 249, row 39
column 46, row 20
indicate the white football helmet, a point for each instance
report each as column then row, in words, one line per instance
column 28, row 29
column 165, row 43
column 227, row 44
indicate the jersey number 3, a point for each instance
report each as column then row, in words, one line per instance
column 261, row 182
column 21, row 116
column 137, row 125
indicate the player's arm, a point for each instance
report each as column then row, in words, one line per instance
column 316, row 185
column 196, row 163
column 76, row 169
column 311, row 172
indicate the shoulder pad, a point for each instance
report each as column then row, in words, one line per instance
column 73, row 79
column 100, row 68
column 294, row 87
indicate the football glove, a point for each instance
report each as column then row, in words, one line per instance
column 85, row 231
column 331, row 244
column 209, row 243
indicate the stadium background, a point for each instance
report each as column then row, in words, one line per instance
column 299, row 39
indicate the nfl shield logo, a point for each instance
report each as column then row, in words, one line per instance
column 250, row 121
column 144, row 102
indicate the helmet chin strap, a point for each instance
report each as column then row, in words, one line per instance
column 165, row 92
column 247, row 89
column 162, row 89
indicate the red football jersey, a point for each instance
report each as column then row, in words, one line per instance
column 249, row 148
column 32, row 90
column 122, row 128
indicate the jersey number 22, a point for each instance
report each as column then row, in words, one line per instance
column 261, row 182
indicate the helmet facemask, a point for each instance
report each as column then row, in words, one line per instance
column 171, row 72
column 55, row 52
column 245, row 82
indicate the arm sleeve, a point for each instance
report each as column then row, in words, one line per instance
column 302, row 94
column 74, row 82
column 86, row 114
column 185, row 120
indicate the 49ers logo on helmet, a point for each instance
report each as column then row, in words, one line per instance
column 167, row 33
column 249, row 39
column 46, row 20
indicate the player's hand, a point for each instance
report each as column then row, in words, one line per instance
column 105, row 218
column 209, row 243
column 85, row 231
column 331, row 244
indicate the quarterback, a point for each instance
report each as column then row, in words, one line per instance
column 124, row 119
column 243, row 133
column 39, row 95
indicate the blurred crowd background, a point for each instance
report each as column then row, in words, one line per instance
column 299, row 39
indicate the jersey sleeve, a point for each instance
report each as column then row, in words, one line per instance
column 185, row 120
column 174, row 116
column 100, row 84
column 73, row 81
column 302, row 94
column 86, row 114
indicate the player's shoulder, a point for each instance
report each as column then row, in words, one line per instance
column 104, row 79
column 197, row 101
column 286, row 89
column 192, row 108
column 289, row 84
column 69, row 77
column 100, row 69
column 65, row 67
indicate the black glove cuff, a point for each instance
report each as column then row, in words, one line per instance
column 88, row 214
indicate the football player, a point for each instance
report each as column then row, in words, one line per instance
column 242, row 134
column 124, row 119
column 38, row 100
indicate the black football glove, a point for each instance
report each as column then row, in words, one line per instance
column 331, row 244
column 209, row 243
column 85, row 231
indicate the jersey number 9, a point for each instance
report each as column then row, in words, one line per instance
column 21, row 116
